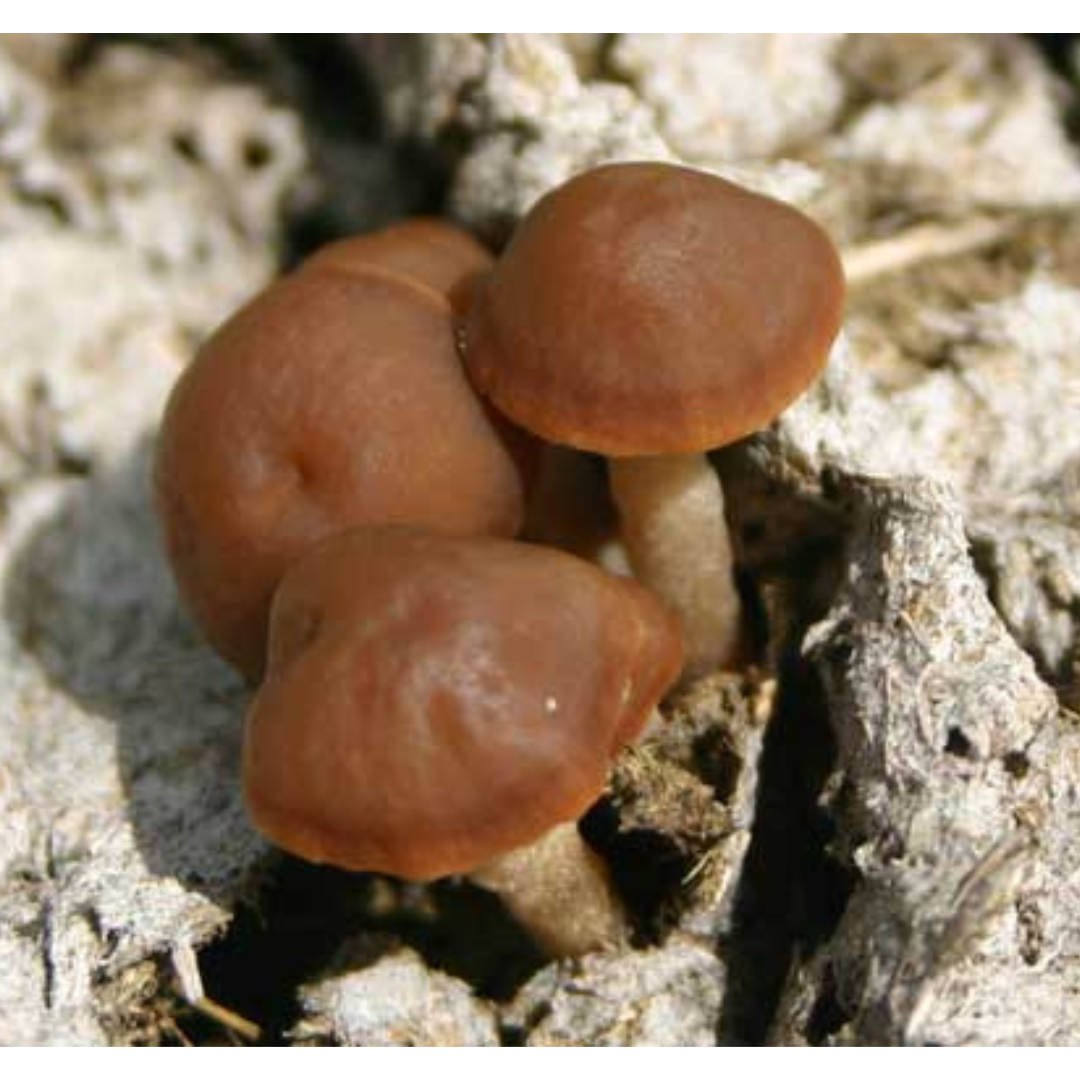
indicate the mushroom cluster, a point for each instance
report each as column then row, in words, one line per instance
column 344, row 471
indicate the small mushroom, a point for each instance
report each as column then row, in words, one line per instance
column 440, row 705
column 651, row 313
column 333, row 399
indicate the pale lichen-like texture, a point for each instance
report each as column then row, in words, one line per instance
column 395, row 1001
column 866, row 837
column 130, row 224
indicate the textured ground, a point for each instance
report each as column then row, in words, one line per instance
column 868, row 837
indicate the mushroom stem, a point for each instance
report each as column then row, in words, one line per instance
column 672, row 513
column 560, row 891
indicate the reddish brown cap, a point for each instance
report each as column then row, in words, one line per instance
column 330, row 401
column 425, row 252
column 651, row 309
column 432, row 702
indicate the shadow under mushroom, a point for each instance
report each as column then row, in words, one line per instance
column 89, row 597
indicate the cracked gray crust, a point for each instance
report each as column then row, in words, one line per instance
column 955, row 794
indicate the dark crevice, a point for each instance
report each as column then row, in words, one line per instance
column 958, row 744
column 302, row 916
column 1058, row 51
column 716, row 762
column 185, row 144
column 364, row 177
column 360, row 177
column 257, row 154
column 647, row 867
column 310, row 920
column 1016, row 764
column 474, row 938
column 828, row 1015
column 792, row 892
column 52, row 203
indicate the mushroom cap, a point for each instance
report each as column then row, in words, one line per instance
column 330, row 401
column 432, row 701
column 647, row 308
column 424, row 251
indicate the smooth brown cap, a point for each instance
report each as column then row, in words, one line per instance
column 425, row 252
column 330, row 401
column 651, row 309
column 432, row 702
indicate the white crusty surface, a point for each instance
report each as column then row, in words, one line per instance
column 396, row 1001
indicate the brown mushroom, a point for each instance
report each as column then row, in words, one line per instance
column 333, row 399
column 441, row 705
column 423, row 251
column 650, row 313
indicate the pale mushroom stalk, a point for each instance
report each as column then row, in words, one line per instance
column 560, row 891
column 672, row 512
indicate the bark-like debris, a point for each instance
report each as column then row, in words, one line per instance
column 955, row 796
